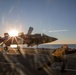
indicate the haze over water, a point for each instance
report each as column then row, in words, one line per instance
column 54, row 46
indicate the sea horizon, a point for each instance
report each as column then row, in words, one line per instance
column 49, row 46
column 54, row 46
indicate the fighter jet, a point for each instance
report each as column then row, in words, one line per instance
column 29, row 38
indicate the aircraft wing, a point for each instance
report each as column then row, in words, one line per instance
column 4, row 39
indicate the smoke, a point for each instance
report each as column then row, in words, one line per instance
column 57, row 31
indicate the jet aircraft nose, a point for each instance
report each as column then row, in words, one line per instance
column 49, row 39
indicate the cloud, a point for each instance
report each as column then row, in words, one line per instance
column 57, row 31
column 11, row 10
column 44, row 30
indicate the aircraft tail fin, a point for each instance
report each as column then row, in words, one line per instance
column 30, row 30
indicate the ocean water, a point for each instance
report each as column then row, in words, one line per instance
column 54, row 46
column 51, row 46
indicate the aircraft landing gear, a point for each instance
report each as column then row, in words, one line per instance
column 18, row 48
column 6, row 49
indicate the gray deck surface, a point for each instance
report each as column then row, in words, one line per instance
column 29, row 62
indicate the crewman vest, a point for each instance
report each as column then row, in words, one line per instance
column 59, row 52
